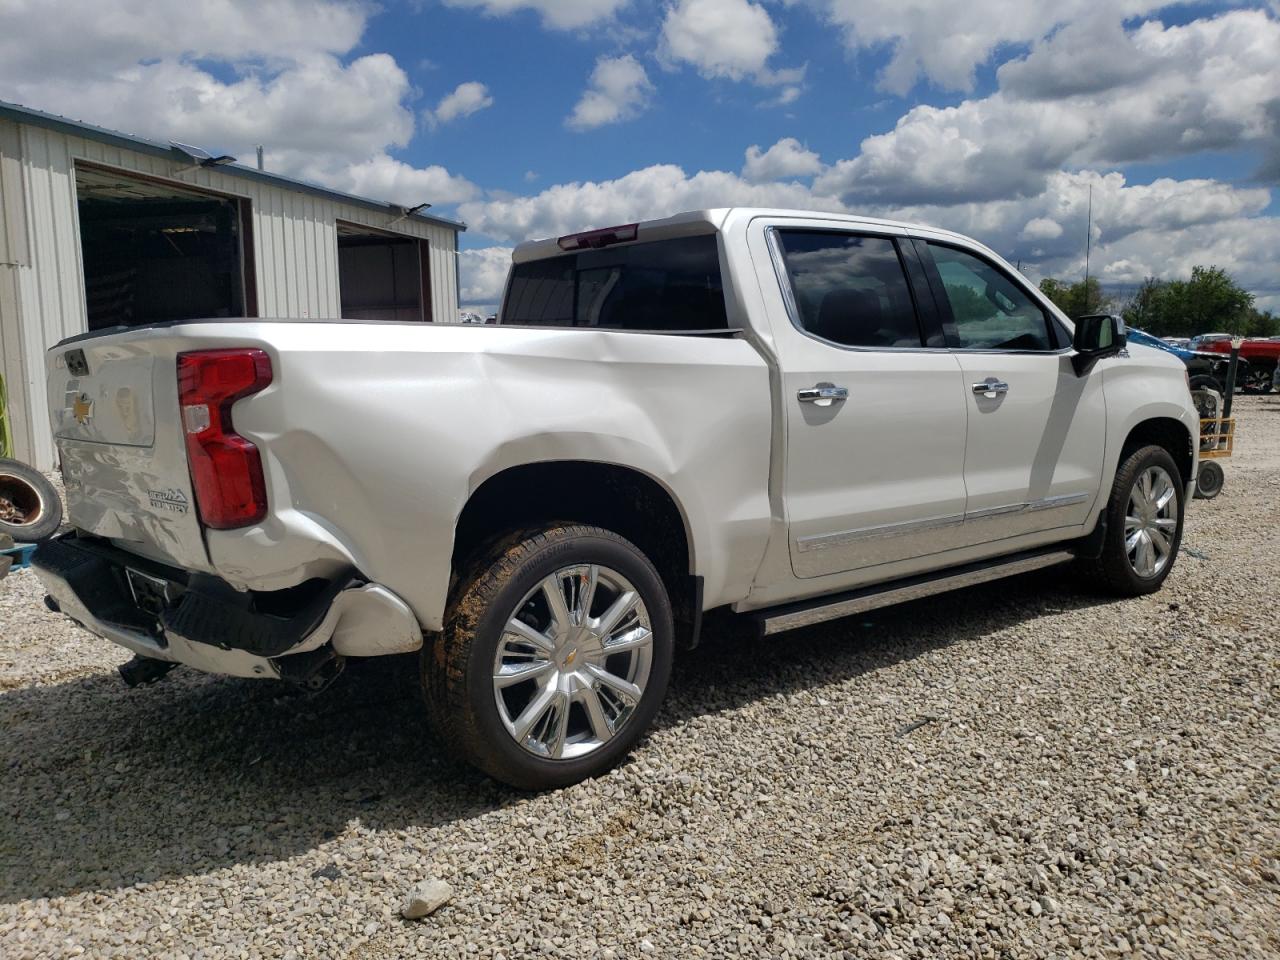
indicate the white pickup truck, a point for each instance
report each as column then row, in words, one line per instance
column 790, row 416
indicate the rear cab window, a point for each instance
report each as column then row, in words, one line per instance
column 662, row 286
column 850, row 289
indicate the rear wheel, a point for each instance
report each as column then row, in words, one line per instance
column 554, row 658
column 1144, row 524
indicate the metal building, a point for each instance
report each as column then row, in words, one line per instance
column 100, row 229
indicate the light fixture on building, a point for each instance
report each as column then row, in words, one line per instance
column 404, row 213
column 198, row 157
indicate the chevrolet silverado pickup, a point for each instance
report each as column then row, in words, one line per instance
column 786, row 417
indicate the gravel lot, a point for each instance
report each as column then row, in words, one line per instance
column 1016, row 770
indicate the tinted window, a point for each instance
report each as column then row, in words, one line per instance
column 850, row 290
column 664, row 285
column 990, row 311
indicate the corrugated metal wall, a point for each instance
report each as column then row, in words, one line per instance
column 294, row 240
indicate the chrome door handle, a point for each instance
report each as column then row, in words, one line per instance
column 823, row 394
column 991, row 388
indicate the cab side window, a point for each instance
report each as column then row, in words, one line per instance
column 989, row 310
column 850, row 290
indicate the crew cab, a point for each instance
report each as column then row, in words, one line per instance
column 785, row 416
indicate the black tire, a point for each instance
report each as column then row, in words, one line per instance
column 1206, row 382
column 30, row 509
column 458, row 664
column 1209, row 480
column 1112, row 571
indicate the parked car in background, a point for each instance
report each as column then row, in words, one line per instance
column 786, row 416
column 1200, row 339
column 1261, row 353
column 1204, row 369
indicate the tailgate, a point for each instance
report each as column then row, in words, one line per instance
column 113, row 402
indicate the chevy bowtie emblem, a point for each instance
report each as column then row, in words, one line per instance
column 82, row 409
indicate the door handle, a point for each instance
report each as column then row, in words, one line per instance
column 991, row 388
column 823, row 394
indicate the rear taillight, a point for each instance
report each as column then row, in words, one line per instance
column 226, row 469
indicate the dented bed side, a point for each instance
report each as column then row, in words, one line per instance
column 373, row 436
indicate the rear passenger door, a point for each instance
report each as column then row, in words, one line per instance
column 1036, row 430
column 873, row 403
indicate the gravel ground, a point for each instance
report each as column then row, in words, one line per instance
column 1016, row 770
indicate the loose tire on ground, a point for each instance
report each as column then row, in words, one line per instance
column 1209, row 480
column 1205, row 382
column 1114, row 571
column 30, row 510
column 463, row 667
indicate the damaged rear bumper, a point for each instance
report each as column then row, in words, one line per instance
column 201, row 621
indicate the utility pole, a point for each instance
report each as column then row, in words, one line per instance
column 260, row 165
column 1088, row 244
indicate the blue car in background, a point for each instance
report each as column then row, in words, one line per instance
column 1207, row 370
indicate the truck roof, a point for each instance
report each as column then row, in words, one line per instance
column 693, row 222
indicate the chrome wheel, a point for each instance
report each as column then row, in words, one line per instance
column 572, row 662
column 1151, row 522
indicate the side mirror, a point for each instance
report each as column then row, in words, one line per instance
column 1098, row 335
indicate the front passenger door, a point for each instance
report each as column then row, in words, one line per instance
column 1036, row 431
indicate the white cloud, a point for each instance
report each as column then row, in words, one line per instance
column 721, row 38
column 1041, row 228
column 785, row 159
column 386, row 178
column 465, row 99
column 363, row 105
column 559, row 14
column 93, row 39
column 945, row 43
column 484, row 273
column 1137, row 223
column 228, row 76
column 619, row 90
column 786, row 97
column 656, row 191
column 1162, row 228
column 1208, row 85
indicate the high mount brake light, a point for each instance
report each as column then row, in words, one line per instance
column 595, row 239
column 226, row 469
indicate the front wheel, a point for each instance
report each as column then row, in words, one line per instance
column 554, row 658
column 1258, row 380
column 1144, row 524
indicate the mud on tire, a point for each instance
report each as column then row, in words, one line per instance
column 508, row 581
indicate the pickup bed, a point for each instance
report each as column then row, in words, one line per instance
column 786, row 416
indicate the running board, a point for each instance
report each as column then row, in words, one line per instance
column 808, row 612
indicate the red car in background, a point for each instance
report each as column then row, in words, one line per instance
column 1263, row 355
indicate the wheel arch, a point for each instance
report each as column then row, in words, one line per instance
column 1166, row 432
column 630, row 502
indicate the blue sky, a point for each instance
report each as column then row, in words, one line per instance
column 534, row 117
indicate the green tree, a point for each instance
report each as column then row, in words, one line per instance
column 1261, row 323
column 1210, row 301
column 1142, row 309
column 1076, row 299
